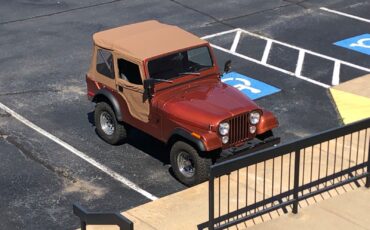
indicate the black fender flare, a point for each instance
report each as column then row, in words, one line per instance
column 113, row 101
column 187, row 136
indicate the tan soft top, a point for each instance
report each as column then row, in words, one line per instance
column 146, row 39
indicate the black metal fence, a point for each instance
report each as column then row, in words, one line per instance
column 95, row 218
column 279, row 179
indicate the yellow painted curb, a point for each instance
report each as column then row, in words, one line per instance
column 351, row 107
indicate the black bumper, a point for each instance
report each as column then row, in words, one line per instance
column 249, row 147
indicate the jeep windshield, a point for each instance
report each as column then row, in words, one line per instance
column 188, row 62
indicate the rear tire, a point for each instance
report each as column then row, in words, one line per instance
column 107, row 126
column 189, row 168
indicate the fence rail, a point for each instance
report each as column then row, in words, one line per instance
column 278, row 178
column 95, row 218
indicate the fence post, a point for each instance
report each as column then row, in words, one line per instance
column 367, row 184
column 297, row 160
column 211, row 201
column 83, row 225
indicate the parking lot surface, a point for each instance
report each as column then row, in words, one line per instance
column 51, row 155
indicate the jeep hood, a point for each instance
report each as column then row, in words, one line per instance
column 207, row 104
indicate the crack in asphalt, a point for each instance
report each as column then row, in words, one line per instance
column 298, row 3
column 216, row 20
column 60, row 12
column 30, row 91
column 4, row 114
column 224, row 21
column 31, row 155
column 294, row 1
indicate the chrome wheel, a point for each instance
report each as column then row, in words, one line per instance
column 185, row 164
column 107, row 123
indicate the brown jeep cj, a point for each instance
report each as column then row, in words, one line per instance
column 165, row 81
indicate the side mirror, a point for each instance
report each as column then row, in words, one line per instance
column 227, row 67
column 149, row 88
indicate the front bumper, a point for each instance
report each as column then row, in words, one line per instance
column 249, row 147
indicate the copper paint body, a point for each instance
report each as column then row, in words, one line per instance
column 194, row 103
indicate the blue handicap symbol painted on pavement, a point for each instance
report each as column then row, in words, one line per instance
column 252, row 88
column 359, row 43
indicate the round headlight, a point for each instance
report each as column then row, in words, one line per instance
column 224, row 128
column 252, row 129
column 254, row 117
column 225, row 139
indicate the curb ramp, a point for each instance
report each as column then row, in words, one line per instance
column 352, row 99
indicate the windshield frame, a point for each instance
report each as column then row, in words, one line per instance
column 206, row 45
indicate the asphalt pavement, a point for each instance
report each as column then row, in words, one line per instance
column 45, row 53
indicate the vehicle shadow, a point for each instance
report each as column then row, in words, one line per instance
column 148, row 144
column 90, row 118
column 142, row 142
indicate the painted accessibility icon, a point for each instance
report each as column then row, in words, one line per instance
column 253, row 88
column 359, row 43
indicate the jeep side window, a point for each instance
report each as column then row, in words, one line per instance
column 129, row 71
column 104, row 63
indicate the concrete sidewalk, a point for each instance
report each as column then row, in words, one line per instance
column 347, row 211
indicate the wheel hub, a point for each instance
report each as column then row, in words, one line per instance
column 186, row 164
column 106, row 122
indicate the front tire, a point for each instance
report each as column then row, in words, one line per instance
column 189, row 168
column 107, row 126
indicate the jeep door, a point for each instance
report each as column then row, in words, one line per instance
column 130, row 87
column 129, row 81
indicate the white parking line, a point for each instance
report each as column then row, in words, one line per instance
column 345, row 14
column 269, row 66
column 336, row 73
column 298, row 69
column 220, row 33
column 236, row 41
column 80, row 154
column 266, row 52
column 300, row 61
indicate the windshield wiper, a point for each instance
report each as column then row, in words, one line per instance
column 189, row 73
column 161, row 80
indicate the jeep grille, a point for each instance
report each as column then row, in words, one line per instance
column 238, row 129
